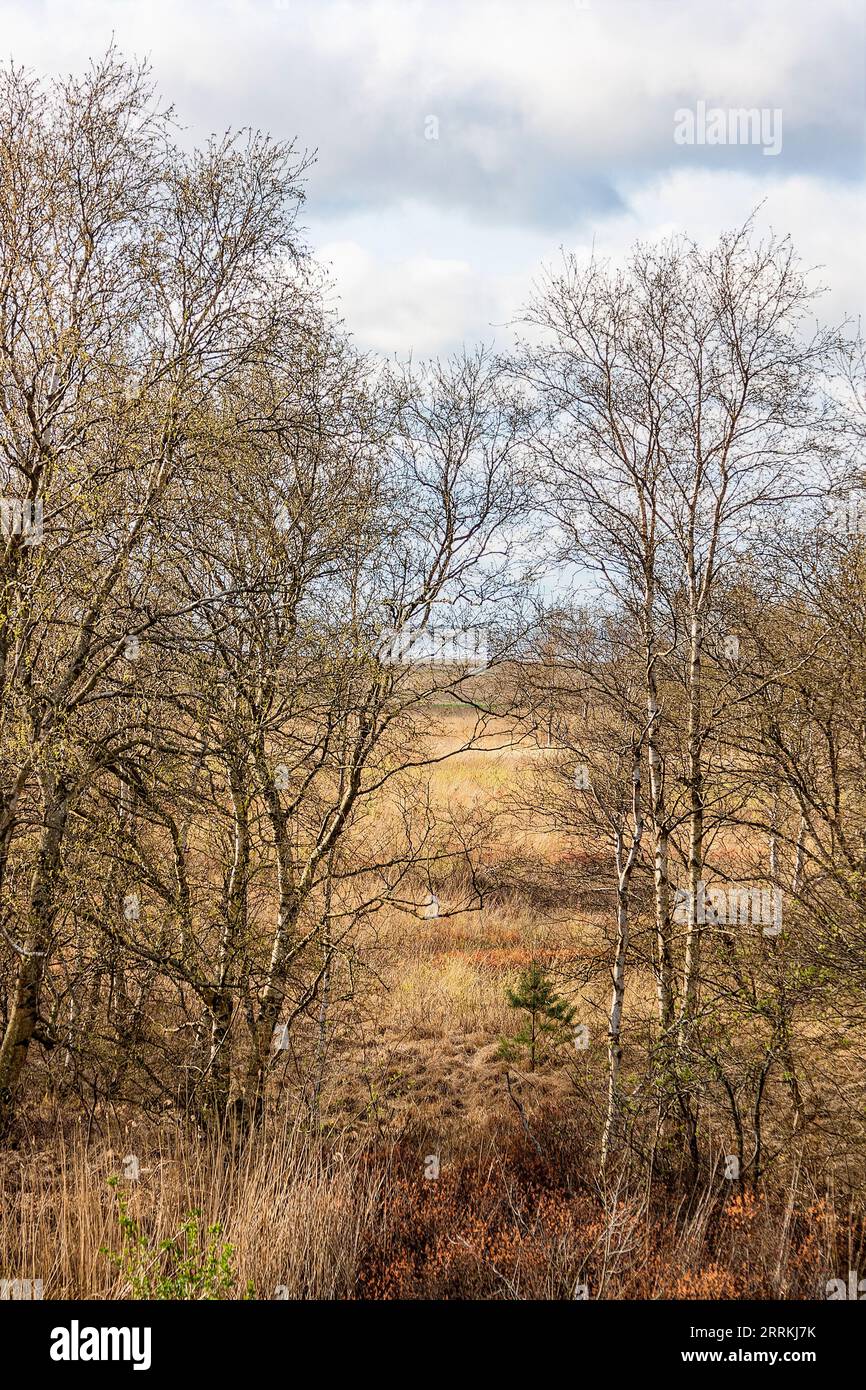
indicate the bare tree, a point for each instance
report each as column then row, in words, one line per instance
column 134, row 281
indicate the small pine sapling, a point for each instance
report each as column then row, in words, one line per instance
column 549, row 1016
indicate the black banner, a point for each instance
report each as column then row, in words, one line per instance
column 84, row 1340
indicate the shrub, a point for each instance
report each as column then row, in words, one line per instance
column 192, row 1265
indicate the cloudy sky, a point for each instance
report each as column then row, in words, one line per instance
column 462, row 142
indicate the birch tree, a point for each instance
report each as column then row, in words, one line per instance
column 684, row 411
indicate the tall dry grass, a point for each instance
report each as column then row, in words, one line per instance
column 516, row 1214
column 294, row 1213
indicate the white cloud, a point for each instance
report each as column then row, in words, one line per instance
column 556, row 125
column 405, row 286
column 417, row 304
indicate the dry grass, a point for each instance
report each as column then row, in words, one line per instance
column 511, row 1215
column 294, row 1215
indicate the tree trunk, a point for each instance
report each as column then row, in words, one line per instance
column 24, row 1011
column 624, row 865
column 614, row 1032
column 691, row 974
column 664, row 965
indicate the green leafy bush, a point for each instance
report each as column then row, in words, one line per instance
column 194, row 1264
